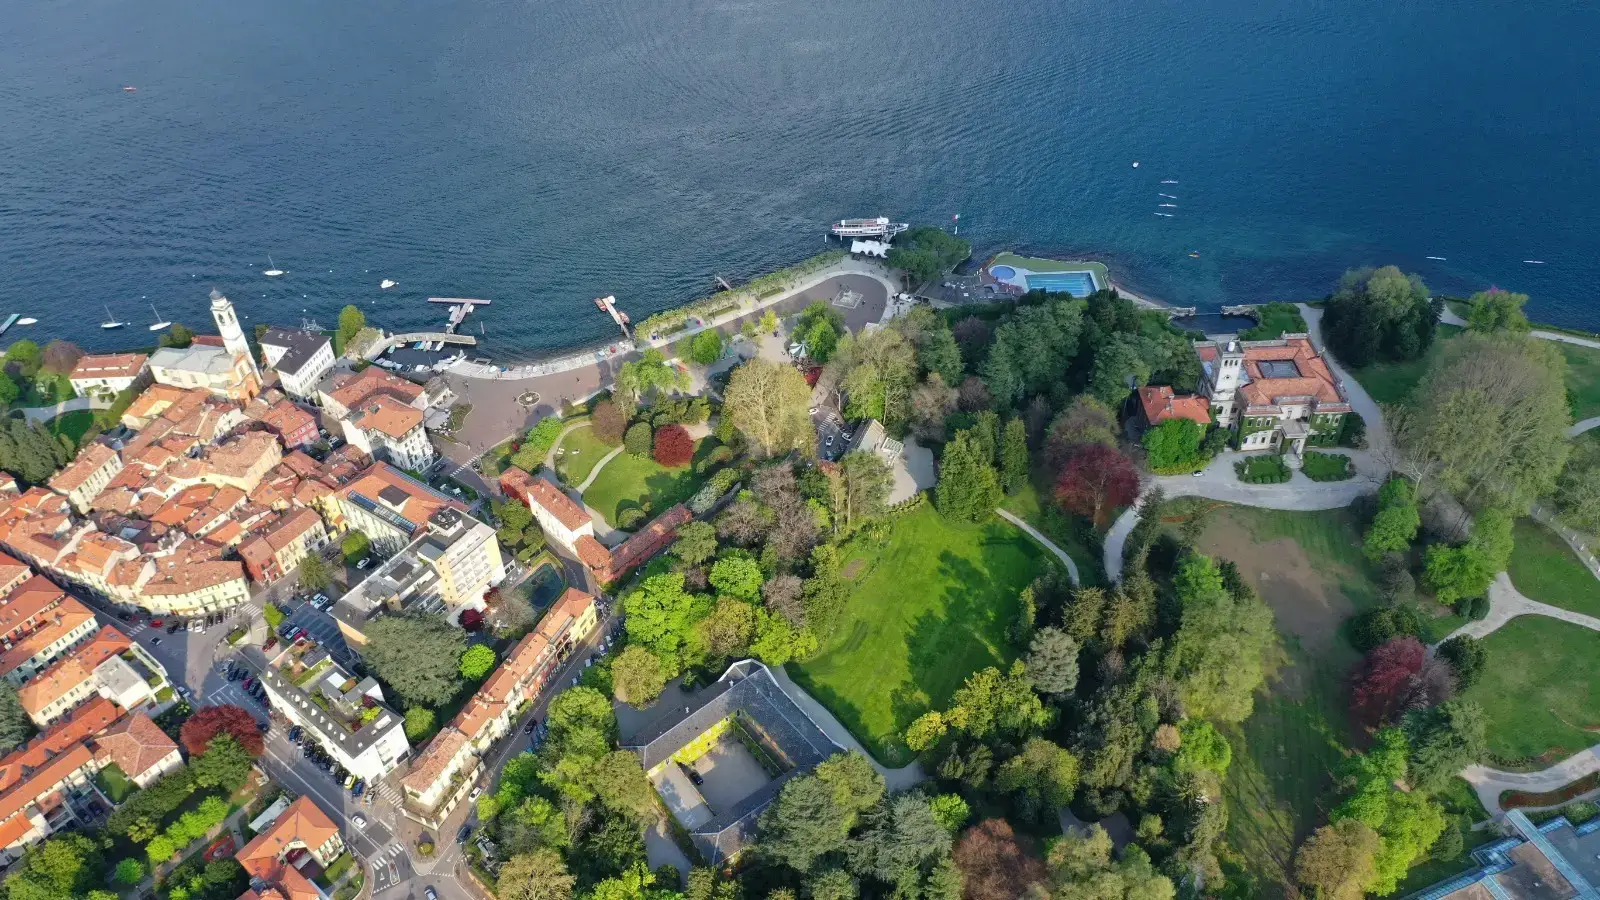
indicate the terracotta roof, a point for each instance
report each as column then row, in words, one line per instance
column 387, row 487
column 72, row 670
column 646, row 542
column 27, row 601
column 11, row 570
column 85, row 722
column 300, row 463
column 591, row 552
column 109, row 365
column 90, row 460
column 57, row 623
column 387, row 415
column 135, row 744
column 302, row 824
column 181, row 573
column 1160, row 404
column 1312, row 377
column 547, row 495
column 52, row 772
column 291, row 527
column 285, row 418
column 431, row 763
column 370, row 382
column 12, row 830
column 236, row 458
column 153, row 400
column 478, row 712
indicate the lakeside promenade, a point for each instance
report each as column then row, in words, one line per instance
column 493, row 391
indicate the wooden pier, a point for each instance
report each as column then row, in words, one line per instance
column 608, row 305
column 460, row 308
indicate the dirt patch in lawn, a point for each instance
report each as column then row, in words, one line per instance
column 1306, row 606
column 853, row 569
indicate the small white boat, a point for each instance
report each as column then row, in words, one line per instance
column 1136, row 164
column 1534, row 262
column 1169, row 196
column 1169, row 181
column 111, row 321
column 128, row 89
column 161, row 324
column 274, row 271
column 1168, row 215
column 27, row 320
column 1439, row 258
column 387, row 283
column 1170, row 205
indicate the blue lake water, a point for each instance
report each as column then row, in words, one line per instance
column 540, row 154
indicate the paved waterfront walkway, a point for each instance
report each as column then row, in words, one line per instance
column 1449, row 317
column 1072, row 567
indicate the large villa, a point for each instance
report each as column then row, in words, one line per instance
column 1279, row 392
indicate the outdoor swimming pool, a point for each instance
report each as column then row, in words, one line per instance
column 1004, row 273
column 547, row 584
column 1078, row 284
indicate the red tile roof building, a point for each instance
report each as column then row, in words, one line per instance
column 1278, row 391
column 269, row 858
column 1159, row 404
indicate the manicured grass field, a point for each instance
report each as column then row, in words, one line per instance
column 1545, row 568
column 633, row 482
column 72, row 424
column 1025, row 504
column 928, row 607
column 1583, row 378
column 115, row 784
column 583, row 450
column 1393, row 382
column 1540, row 689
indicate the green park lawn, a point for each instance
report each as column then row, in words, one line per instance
column 1309, row 569
column 1392, row 382
column 583, row 450
column 73, row 424
column 1025, row 505
column 1544, row 568
column 929, row 606
column 1540, row 690
column 1583, row 379
column 639, row 482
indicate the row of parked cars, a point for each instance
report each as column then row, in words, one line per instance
column 311, row 750
column 251, row 685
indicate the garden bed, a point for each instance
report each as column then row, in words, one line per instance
column 1519, row 799
column 1327, row 466
column 1269, row 469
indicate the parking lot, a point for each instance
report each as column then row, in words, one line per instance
column 833, row 434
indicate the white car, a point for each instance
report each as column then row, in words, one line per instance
column 476, row 793
column 358, row 820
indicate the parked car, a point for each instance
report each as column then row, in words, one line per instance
column 365, row 561
column 430, row 893
column 529, row 728
column 463, row 834
column 155, row 623
column 358, row 820
column 155, row 642
column 476, row 793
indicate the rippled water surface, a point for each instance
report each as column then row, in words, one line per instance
column 542, row 153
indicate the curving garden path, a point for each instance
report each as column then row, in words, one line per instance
column 76, row 404
column 1072, row 567
column 1580, row 427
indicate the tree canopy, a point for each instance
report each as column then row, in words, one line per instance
column 417, row 655
column 769, row 403
column 1379, row 314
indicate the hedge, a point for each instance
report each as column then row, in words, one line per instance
column 1327, row 466
column 1262, row 470
column 712, row 491
column 669, row 321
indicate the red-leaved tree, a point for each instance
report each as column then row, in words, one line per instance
column 1096, row 479
column 673, row 447
column 996, row 864
column 1385, row 680
column 210, row 721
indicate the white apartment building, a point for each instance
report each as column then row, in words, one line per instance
column 108, row 374
column 447, row 569
column 367, row 749
column 86, row 476
column 301, row 359
column 385, row 428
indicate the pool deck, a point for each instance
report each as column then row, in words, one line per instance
column 1102, row 275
